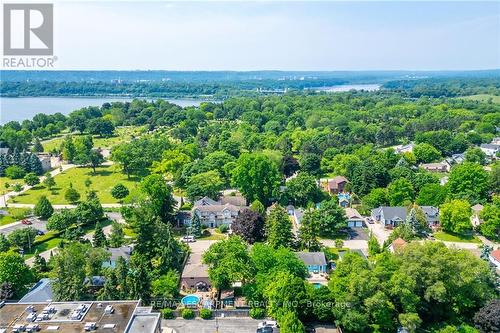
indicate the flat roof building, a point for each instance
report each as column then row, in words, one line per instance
column 72, row 317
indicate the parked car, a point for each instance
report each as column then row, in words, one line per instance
column 188, row 239
column 265, row 330
column 40, row 233
column 268, row 323
column 26, row 222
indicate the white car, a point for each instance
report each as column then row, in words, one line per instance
column 188, row 239
column 268, row 323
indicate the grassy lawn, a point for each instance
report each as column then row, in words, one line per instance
column 482, row 98
column 122, row 134
column 15, row 214
column 450, row 237
column 11, row 182
column 214, row 236
column 103, row 181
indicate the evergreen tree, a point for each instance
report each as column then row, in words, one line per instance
column 373, row 246
column 140, row 280
column 34, row 164
column 43, row 208
column 71, row 195
column 121, row 273
column 110, row 290
column 99, row 239
column 279, row 228
column 117, row 237
column 37, row 146
column 309, row 232
column 49, row 181
column 195, row 225
column 40, row 264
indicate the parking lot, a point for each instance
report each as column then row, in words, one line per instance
column 226, row 325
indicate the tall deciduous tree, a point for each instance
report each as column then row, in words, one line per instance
column 468, row 181
column 257, row 177
column 455, row 216
column 14, row 271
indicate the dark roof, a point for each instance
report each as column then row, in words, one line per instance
column 312, row 258
column 390, row 213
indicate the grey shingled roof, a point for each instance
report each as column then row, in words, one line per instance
column 312, row 258
column 390, row 213
column 40, row 292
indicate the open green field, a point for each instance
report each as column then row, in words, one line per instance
column 11, row 182
column 122, row 134
column 449, row 237
column 105, row 178
column 483, row 98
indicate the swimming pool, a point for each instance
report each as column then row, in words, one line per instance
column 190, row 300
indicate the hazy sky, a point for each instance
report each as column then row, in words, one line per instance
column 277, row 35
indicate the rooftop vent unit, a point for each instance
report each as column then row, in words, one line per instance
column 32, row 328
column 18, row 328
column 90, row 327
column 30, row 308
column 76, row 315
column 31, row 317
column 52, row 328
column 109, row 326
column 109, row 309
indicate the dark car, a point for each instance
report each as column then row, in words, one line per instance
column 265, row 330
column 40, row 233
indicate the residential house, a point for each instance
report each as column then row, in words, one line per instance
column 397, row 245
column 494, row 258
column 436, row 167
column 354, row 219
column 344, row 199
column 48, row 161
column 115, row 253
column 214, row 213
column 389, row 216
column 393, row 216
column 314, row 261
column 40, row 292
column 490, row 149
column 476, row 210
column 400, row 149
column 334, row 185
column 195, row 274
column 456, row 159
column 431, row 214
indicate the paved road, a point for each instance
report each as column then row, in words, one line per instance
column 36, row 223
column 226, row 325
column 201, row 246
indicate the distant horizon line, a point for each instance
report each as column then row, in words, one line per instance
column 250, row 71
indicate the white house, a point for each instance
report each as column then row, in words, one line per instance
column 495, row 258
column 490, row 149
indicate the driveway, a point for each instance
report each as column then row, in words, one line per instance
column 201, row 246
column 226, row 325
column 358, row 234
column 379, row 231
column 350, row 244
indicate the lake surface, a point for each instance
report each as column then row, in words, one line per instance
column 21, row 108
column 347, row 87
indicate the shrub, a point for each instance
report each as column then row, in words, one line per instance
column 15, row 172
column 257, row 313
column 223, row 228
column 43, row 208
column 167, row 313
column 187, row 314
column 71, row 195
column 206, row 314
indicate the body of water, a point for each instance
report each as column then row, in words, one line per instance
column 21, row 108
column 347, row 87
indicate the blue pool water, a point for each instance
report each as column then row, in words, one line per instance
column 190, row 300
